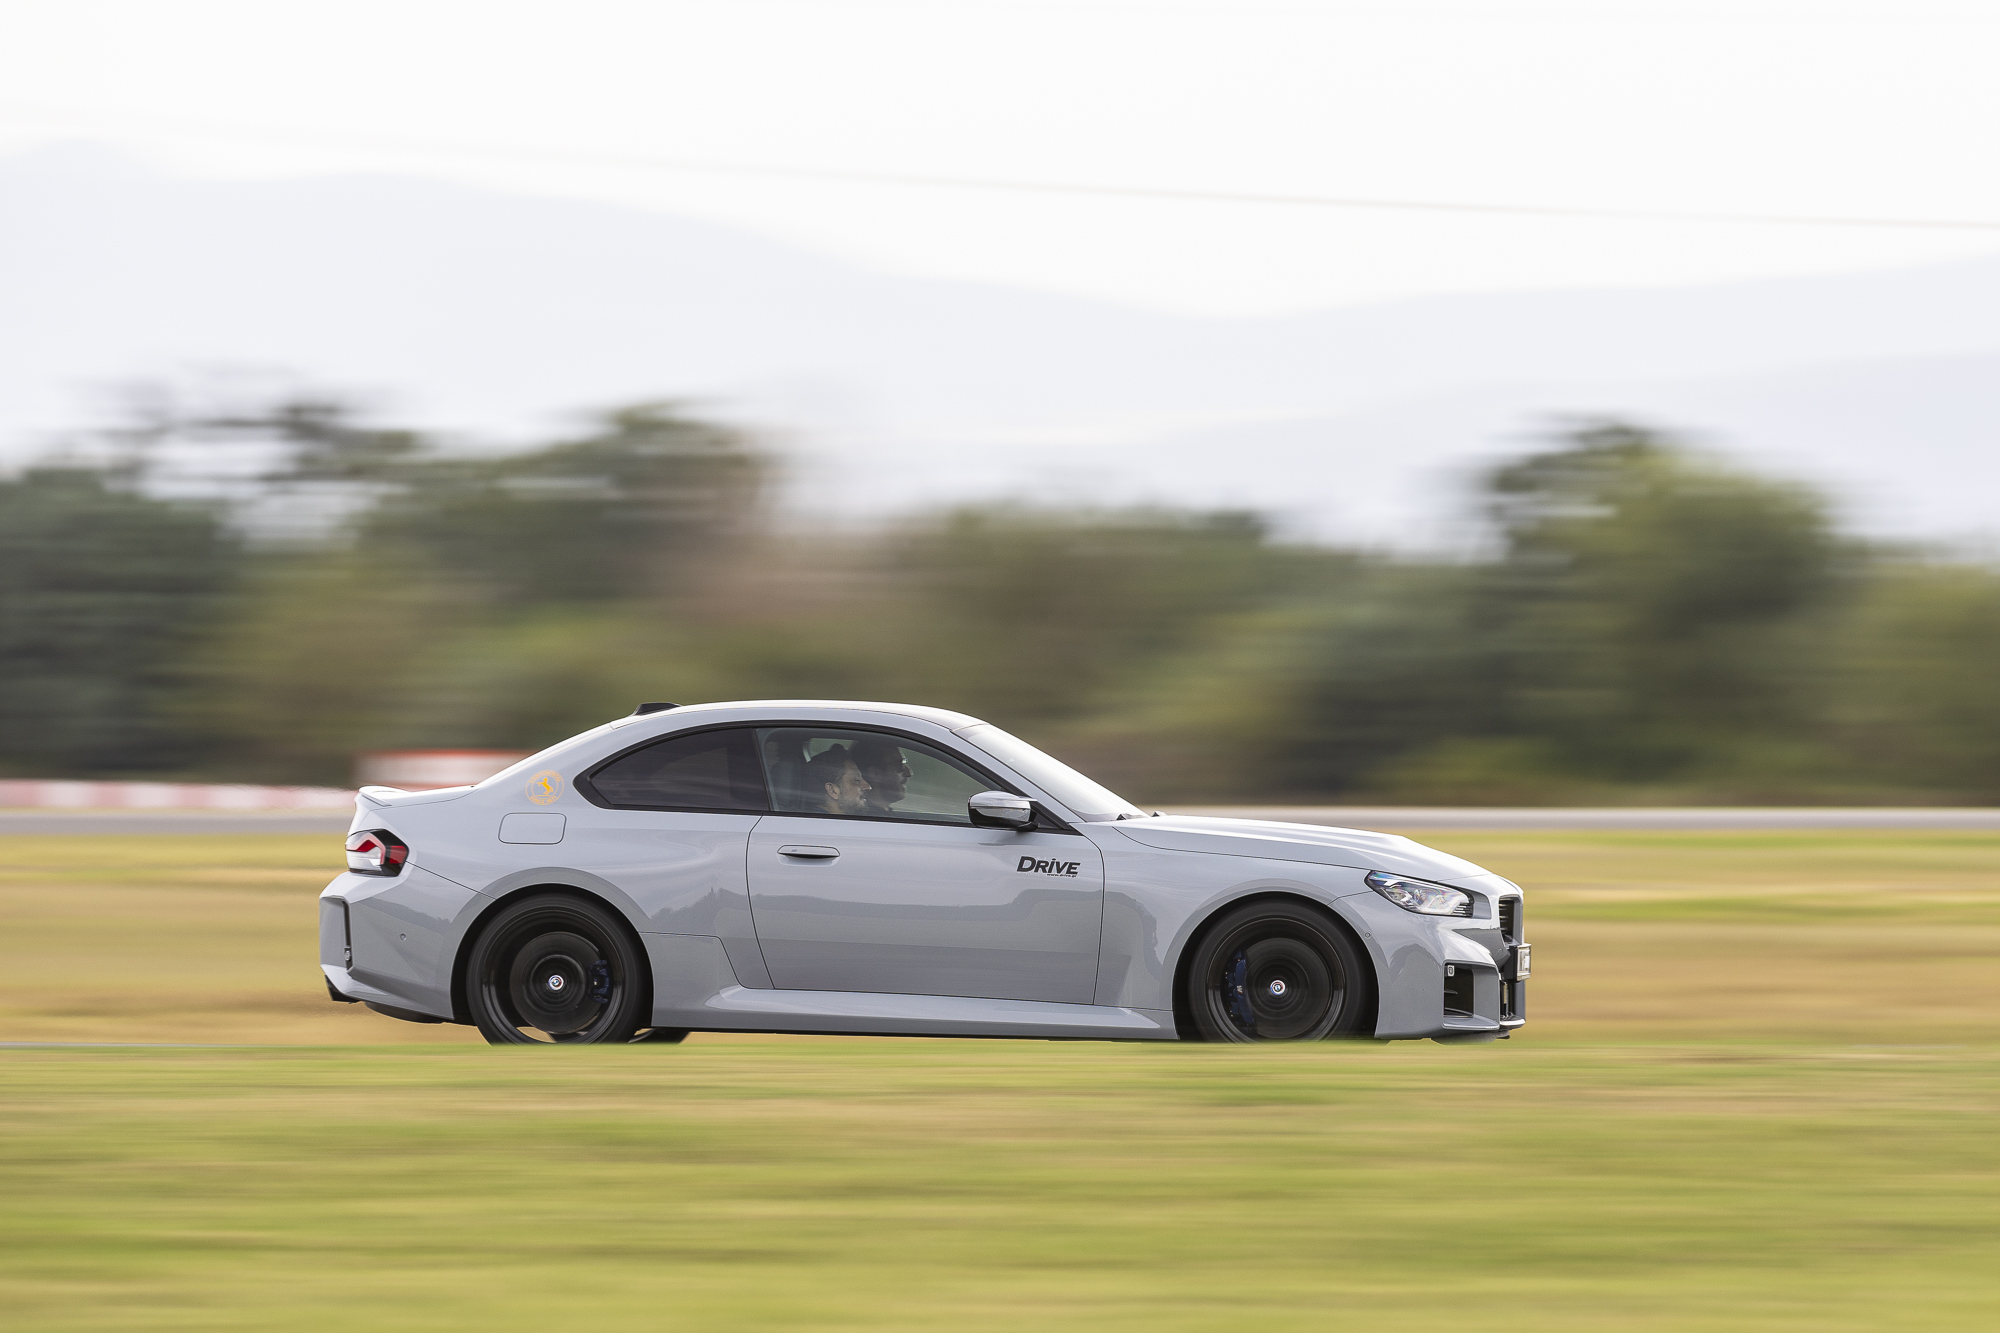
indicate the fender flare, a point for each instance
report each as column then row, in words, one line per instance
column 1199, row 924
column 550, row 879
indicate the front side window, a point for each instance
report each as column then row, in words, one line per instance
column 1085, row 798
column 709, row 770
column 866, row 775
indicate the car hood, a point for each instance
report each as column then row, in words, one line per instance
column 1315, row 843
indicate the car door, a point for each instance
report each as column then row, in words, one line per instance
column 902, row 894
column 669, row 822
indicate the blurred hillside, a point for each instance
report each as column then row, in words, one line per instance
column 475, row 309
column 258, row 590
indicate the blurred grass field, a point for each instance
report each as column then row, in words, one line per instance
column 1757, row 1090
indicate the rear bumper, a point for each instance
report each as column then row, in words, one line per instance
column 343, row 988
column 391, row 940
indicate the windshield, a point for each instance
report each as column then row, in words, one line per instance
column 1084, row 798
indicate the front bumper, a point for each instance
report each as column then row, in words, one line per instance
column 1480, row 997
column 1453, row 978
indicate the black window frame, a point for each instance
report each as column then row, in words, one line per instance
column 1046, row 820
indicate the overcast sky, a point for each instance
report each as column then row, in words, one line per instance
column 1748, row 106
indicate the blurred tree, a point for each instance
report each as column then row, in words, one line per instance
column 487, row 601
column 1920, row 696
column 1653, row 611
column 102, row 592
column 320, row 436
column 1645, row 620
column 650, row 505
column 1034, row 614
column 308, row 668
column 1402, row 661
column 1647, row 614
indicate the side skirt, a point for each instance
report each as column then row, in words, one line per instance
column 693, row 987
column 740, row 1009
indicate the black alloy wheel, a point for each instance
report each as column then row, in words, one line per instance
column 1279, row 971
column 556, row 969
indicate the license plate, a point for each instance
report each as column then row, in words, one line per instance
column 1521, row 967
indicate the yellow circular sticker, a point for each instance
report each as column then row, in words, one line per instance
column 545, row 787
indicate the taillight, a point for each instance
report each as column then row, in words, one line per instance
column 376, row 852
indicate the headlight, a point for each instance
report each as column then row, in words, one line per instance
column 1418, row 895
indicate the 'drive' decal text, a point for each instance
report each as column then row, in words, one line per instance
column 1030, row 864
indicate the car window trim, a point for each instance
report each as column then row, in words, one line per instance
column 1047, row 820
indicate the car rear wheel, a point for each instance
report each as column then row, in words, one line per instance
column 1278, row 971
column 558, row 970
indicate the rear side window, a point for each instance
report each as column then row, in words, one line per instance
column 710, row 770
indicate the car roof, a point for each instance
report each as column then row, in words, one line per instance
column 755, row 709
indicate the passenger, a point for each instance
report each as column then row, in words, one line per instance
column 836, row 784
column 881, row 762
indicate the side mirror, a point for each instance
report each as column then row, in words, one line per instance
column 1001, row 809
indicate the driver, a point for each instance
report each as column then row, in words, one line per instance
column 887, row 772
column 833, row 781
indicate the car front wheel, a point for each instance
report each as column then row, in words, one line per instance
column 555, row 969
column 1279, row 971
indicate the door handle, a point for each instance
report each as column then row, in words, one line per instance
column 810, row 853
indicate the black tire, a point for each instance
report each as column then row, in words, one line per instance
column 1279, row 971
column 556, row 969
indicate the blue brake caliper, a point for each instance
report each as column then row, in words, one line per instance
column 1239, row 994
column 600, row 981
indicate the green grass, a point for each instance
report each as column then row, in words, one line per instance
column 1758, row 1091
column 1000, row 1185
